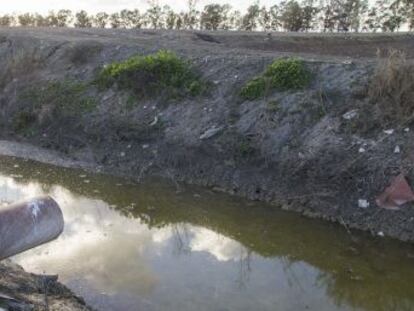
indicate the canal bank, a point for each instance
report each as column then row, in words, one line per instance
column 318, row 150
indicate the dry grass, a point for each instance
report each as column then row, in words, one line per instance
column 392, row 87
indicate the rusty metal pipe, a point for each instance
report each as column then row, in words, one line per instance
column 28, row 224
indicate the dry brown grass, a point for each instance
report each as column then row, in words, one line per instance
column 392, row 87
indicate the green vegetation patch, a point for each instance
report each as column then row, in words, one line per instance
column 152, row 75
column 282, row 74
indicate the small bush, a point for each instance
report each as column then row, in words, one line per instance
column 151, row 75
column 282, row 74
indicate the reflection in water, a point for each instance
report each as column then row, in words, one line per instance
column 146, row 247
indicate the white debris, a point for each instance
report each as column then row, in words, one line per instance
column 407, row 129
column 129, row 146
column 361, row 150
column 397, row 149
column 122, row 154
column 155, row 121
column 381, row 234
column 146, row 146
column 362, row 203
column 389, row 132
column 210, row 132
column 350, row 114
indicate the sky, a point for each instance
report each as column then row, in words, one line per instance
column 93, row 6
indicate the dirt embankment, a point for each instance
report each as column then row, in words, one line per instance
column 317, row 150
column 23, row 291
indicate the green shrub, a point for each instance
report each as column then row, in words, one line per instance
column 160, row 73
column 282, row 74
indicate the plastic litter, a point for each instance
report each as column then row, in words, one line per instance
column 350, row 114
column 397, row 194
column 389, row 132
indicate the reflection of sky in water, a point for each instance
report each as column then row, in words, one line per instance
column 120, row 263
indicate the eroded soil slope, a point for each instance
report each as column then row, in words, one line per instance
column 293, row 147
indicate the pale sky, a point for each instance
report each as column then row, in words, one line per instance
column 93, row 6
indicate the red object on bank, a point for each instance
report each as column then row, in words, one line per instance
column 397, row 194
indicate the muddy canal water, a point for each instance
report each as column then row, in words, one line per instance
column 129, row 246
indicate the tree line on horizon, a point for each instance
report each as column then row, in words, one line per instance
column 291, row 15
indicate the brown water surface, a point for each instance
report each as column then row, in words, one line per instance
column 129, row 246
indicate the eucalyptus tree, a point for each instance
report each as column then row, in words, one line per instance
column 179, row 23
column 275, row 17
column 265, row 19
column 41, row 21
column 131, row 19
column 250, row 19
column 392, row 14
column 171, row 17
column 26, row 19
column 214, row 16
column 6, row 20
column 291, row 16
column 191, row 17
column 83, row 20
column 101, row 20
column 235, row 20
column 64, row 18
column 115, row 20
column 154, row 14
column 309, row 15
